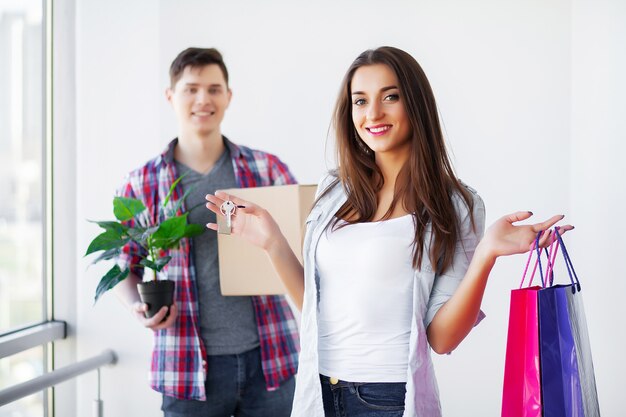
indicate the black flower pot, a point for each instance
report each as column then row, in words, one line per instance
column 156, row 294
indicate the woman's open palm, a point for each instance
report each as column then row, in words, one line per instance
column 251, row 222
column 505, row 238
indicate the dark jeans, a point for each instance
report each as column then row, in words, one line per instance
column 359, row 399
column 235, row 386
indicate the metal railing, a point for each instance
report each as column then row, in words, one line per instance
column 30, row 337
column 14, row 393
column 40, row 334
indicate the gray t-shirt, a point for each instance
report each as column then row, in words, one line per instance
column 227, row 324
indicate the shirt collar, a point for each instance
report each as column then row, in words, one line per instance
column 168, row 154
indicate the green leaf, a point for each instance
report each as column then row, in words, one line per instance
column 127, row 208
column 172, row 188
column 137, row 233
column 105, row 241
column 158, row 265
column 106, row 255
column 148, row 263
column 170, row 232
column 161, row 262
column 189, row 210
column 141, row 234
column 179, row 203
column 193, row 230
column 115, row 226
column 110, row 280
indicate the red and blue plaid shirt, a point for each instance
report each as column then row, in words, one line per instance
column 178, row 365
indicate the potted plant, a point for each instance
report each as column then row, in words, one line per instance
column 156, row 240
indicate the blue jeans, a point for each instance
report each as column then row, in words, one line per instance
column 235, row 386
column 363, row 399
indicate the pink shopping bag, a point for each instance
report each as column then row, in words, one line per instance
column 521, row 394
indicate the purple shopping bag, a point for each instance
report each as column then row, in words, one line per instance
column 560, row 381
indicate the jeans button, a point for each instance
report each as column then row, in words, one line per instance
column 333, row 380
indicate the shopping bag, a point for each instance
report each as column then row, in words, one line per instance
column 560, row 382
column 521, row 395
column 580, row 334
column 522, row 379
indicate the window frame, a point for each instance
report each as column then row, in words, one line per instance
column 48, row 330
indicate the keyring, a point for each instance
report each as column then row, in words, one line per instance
column 228, row 208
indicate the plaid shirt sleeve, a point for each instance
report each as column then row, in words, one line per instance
column 279, row 172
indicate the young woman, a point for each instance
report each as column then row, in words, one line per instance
column 395, row 261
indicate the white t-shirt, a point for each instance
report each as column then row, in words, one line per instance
column 366, row 300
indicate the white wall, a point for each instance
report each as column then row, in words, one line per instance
column 118, row 93
column 520, row 113
column 598, row 194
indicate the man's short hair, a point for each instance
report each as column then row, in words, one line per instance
column 196, row 58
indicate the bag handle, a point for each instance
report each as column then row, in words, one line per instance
column 534, row 247
column 530, row 255
column 569, row 264
column 559, row 242
column 551, row 252
column 554, row 248
column 550, row 255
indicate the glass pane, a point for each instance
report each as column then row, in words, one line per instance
column 21, row 167
column 20, row 368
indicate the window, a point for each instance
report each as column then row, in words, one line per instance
column 20, row 368
column 22, row 180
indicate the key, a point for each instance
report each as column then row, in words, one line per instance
column 228, row 210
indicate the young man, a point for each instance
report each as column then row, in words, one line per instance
column 213, row 355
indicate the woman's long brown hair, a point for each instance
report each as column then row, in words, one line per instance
column 425, row 184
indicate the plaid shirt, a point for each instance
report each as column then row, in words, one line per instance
column 178, row 365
